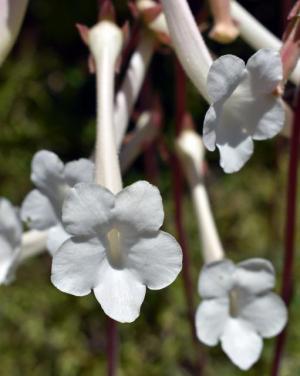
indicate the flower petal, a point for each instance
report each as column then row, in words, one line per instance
column 10, row 224
column 224, row 76
column 247, row 113
column 37, row 211
column 56, row 237
column 255, row 275
column 6, row 250
column 120, row 294
column 47, row 175
column 81, row 171
column 140, row 207
column 267, row 313
column 211, row 317
column 265, row 68
column 215, row 279
column 210, row 126
column 157, row 260
column 76, row 265
column 241, row 343
column 272, row 120
column 87, row 209
column 234, row 155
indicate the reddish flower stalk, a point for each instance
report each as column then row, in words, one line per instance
column 150, row 163
column 151, row 102
column 290, row 51
column 106, row 10
column 286, row 6
column 290, row 226
column 150, row 149
column 112, row 347
column 177, row 183
column 131, row 43
column 180, row 97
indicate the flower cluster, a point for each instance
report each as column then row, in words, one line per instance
column 107, row 239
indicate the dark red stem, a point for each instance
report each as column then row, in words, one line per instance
column 285, row 8
column 112, row 347
column 290, row 226
column 180, row 101
column 150, row 163
column 151, row 102
column 177, row 182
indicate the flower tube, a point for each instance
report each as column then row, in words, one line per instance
column 261, row 38
column 33, row 243
column 131, row 86
column 144, row 133
column 191, row 152
column 105, row 41
column 188, row 43
column 14, row 250
column 11, row 17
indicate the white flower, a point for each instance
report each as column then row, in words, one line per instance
column 238, row 308
column 42, row 207
column 10, row 240
column 116, row 249
column 243, row 107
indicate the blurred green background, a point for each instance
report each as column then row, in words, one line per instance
column 47, row 100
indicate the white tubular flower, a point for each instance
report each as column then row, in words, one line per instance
column 41, row 209
column 131, row 86
column 143, row 134
column 239, row 308
column 243, row 107
column 116, row 249
column 10, row 240
column 11, row 17
column 190, row 150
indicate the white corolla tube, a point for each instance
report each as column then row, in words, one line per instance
column 190, row 150
column 11, row 17
column 257, row 35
